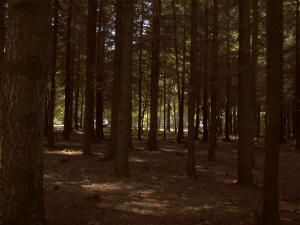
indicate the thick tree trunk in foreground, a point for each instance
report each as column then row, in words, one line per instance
column 270, row 213
column 90, row 76
column 125, row 11
column 191, row 165
column 50, row 141
column 297, row 79
column 68, row 79
column 2, row 35
column 22, row 113
column 245, row 115
column 152, row 139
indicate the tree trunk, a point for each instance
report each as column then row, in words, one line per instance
column 152, row 139
column 68, row 104
column 140, row 128
column 274, row 91
column 77, row 90
column 90, row 77
column 213, row 85
column 191, row 164
column 100, row 71
column 125, row 11
column 2, row 35
column 205, row 75
column 245, row 106
column 228, row 79
column 51, row 108
column 22, row 113
column 297, row 79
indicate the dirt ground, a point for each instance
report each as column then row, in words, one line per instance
column 80, row 190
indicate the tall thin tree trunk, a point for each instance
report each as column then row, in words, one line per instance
column 228, row 78
column 245, row 106
column 100, row 71
column 50, row 140
column 77, row 89
column 68, row 76
column 213, row 85
column 191, row 164
column 22, row 113
column 205, row 75
column 2, row 35
column 270, row 214
column 90, row 77
column 140, row 128
column 155, row 67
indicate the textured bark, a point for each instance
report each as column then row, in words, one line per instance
column 254, row 65
column 274, row 90
column 140, row 127
column 77, row 89
column 22, row 106
column 191, row 162
column 68, row 77
column 180, row 122
column 297, row 80
column 152, row 139
column 228, row 79
column 51, row 108
column 213, row 85
column 2, row 35
column 205, row 75
column 125, row 11
column 90, row 77
column 245, row 106
column 100, row 71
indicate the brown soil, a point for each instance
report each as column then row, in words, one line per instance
column 79, row 190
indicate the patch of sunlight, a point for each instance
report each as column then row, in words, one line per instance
column 200, row 208
column 64, row 152
column 107, row 187
column 137, row 160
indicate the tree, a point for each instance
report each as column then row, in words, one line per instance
column 2, row 34
column 90, row 76
column 68, row 78
column 50, row 140
column 270, row 213
column 100, row 70
column 245, row 115
column 297, row 79
column 152, row 139
column 213, row 86
column 22, row 113
column 191, row 170
column 205, row 74
column 124, row 31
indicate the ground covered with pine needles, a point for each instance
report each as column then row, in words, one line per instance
column 80, row 190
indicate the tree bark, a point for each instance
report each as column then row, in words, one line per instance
column 22, row 113
column 270, row 213
column 205, row 75
column 100, row 71
column 152, row 139
column 245, row 106
column 191, row 162
column 297, row 79
column 213, row 85
column 90, row 77
column 125, row 11
column 2, row 35
column 68, row 76
column 140, row 127
column 50, row 140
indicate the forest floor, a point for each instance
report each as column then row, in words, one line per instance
column 80, row 190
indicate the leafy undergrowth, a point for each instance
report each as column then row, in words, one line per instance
column 80, row 190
